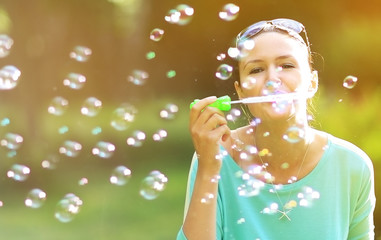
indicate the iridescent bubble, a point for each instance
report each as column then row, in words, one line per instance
column 74, row 81
column 248, row 44
column 208, row 197
column 249, row 82
column 50, row 162
column 221, row 56
column 91, row 107
column 233, row 114
column 273, row 208
column 181, row 15
column 233, row 52
column 58, row 106
column 96, row 130
column 160, row 135
column 70, row 148
column 18, row 172
column 137, row 139
column 238, row 145
column 281, row 106
column 80, row 53
column 123, row 116
column 349, row 82
column 9, row 77
column 138, row 77
column 63, row 130
column 5, row 122
column 35, row 198
column 224, row 71
column 83, row 181
column 5, row 45
column 229, row 12
column 150, row 55
column 12, row 141
column 271, row 87
column 308, row 196
column 169, row 112
column 120, row 175
column 153, row 185
column 156, row 34
column 294, row 134
column 241, row 221
column 103, row 149
column 67, row 208
column 171, row 74
column 250, row 186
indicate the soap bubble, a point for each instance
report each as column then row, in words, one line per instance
column 5, row 45
column 12, row 141
column 96, row 130
column 224, row 71
column 74, row 81
column 169, row 111
column 153, row 185
column 50, row 162
column 63, row 130
column 229, row 12
column 83, row 181
column 233, row 114
column 234, row 52
column 221, row 56
column 350, row 82
column 294, row 134
column 160, row 135
column 250, row 187
column 18, row 172
column 307, row 196
column 138, row 77
column 103, row 149
column 249, row 82
column 156, row 34
column 181, row 15
column 80, row 53
column 271, row 87
column 281, row 106
column 35, row 198
column 120, row 175
column 58, row 106
column 5, row 122
column 137, row 139
column 271, row 209
column 123, row 116
column 150, row 55
column 91, row 107
column 208, row 197
column 67, row 208
column 171, row 74
column 9, row 77
column 70, row 148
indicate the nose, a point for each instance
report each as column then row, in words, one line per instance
column 273, row 81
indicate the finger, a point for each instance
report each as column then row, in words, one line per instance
column 222, row 132
column 208, row 113
column 199, row 106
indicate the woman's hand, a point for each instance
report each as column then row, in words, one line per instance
column 208, row 127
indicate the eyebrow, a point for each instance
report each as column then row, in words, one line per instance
column 260, row 60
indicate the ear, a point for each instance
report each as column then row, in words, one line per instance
column 238, row 89
column 314, row 83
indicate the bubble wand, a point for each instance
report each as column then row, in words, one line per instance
column 224, row 103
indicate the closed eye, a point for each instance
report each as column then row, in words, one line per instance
column 255, row 70
column 287, row 65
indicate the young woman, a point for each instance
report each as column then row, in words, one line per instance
column 276, row 178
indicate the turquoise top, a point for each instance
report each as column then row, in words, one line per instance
column 335, row 200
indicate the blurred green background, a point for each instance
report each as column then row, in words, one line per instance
column 346, row 34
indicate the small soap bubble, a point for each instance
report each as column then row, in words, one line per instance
column 264, row 152
column 35, row 198
column 221, row 56
column 294, row 134
column 156, row 34
column 70, row 148
column 224, row 71
column 138, row 77
column 249, row 83
column 50, row 162
column 67, row 208
column 171, row 74
column 233, row 114
column 103, row 149
column 12, row 141
column 5, row 45
column 120, row 176
column 150, row 55
column 83, row 181
column 238, row 145
column 273, row 208
column 9, row 77
column 137, row 139
column 91, row 107
column 271, row 87
column 281, row 106
column 11, row 154
column 18, row 172
column 80, row 53
column 5, row 122
column 248, row 44
column 169, row 112
column 153, row 185
column 63, row 130
column 233, row 52
column 229, row 12
column 308, row 196
column 291, row 204
column 74, row 81
column 160, row 135
column 285, row 165
column 292, row 179
column 241, row 221
column 123, row 116
column 58, row 106
column 250, row 186
column 96, row 130
column 208, row 197
column 181, row 15
column 350, row 82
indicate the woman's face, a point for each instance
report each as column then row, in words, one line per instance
column 277, row 64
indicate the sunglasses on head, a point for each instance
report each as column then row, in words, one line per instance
column 292, row 27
